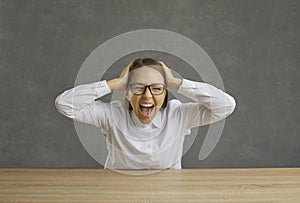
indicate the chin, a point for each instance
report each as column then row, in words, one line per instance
column 147, row 120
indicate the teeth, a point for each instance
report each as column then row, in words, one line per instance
column 147, row 105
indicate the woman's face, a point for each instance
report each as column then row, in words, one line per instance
column 146, row 106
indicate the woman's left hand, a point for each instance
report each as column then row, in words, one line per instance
column 171, row 82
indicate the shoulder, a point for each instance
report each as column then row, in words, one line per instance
column 114, row 107
column 173, row 103
column 173, row 106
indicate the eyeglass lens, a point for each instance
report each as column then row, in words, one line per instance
column 140, row 89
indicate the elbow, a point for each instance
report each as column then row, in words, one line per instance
column 63, row 107
column 57, row 103
column 231, row 105
column 60, row 105
column 225, row 110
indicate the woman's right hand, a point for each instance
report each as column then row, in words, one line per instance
column 120, row 82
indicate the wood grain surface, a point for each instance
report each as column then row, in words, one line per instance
column 261, row 185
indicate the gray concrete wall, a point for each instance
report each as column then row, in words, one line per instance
column 254, row 45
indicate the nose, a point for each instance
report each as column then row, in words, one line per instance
column 147, row 93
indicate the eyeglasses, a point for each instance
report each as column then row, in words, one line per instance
column 140, row 89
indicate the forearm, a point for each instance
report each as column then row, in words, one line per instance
column 114, row 84
column 218, row 103
column 72, row 101
column 175, row 84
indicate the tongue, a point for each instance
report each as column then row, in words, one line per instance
column 146, row 110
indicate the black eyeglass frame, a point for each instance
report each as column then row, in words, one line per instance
column 148, row 86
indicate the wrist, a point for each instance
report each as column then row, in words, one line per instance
column 175, row 84
column 113, row 84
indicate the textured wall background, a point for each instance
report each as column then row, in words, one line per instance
column 254, row 44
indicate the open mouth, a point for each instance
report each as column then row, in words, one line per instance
column 146, row 109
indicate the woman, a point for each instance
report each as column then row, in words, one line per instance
column 147, row 131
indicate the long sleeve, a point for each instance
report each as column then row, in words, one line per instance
column 79, row 104
column 211, row 104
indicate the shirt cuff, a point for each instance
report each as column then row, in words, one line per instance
column 186, row 84
column 102, row 88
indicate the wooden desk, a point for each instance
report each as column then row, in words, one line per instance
column 187, row 185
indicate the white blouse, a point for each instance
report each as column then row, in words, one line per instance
column 134, row 145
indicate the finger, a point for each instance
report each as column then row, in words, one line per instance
column 165, row 66
column 128, row 66
column 126, row 69
column 162, row 63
